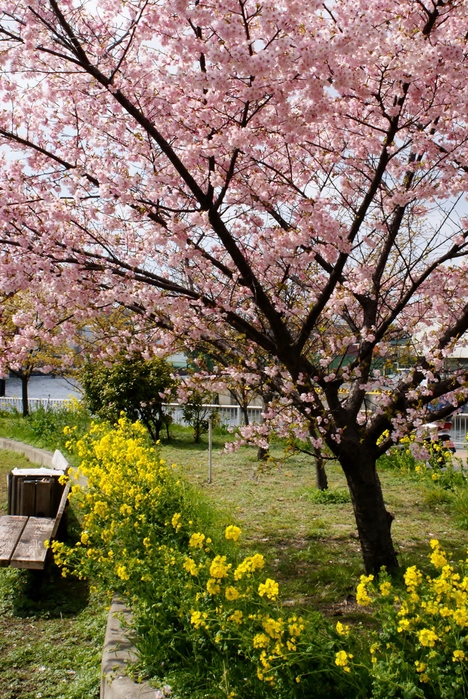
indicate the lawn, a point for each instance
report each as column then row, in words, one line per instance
column 312, row 547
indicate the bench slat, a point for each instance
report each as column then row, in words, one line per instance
column 30, row 551
column 11, row 528
column 61, row 509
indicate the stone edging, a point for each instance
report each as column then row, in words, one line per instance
column 118, row 651
column 35, row 455
column 117, row 648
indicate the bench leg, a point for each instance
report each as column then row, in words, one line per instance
column 36, row 578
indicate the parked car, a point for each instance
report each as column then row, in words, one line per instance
column 440, row 431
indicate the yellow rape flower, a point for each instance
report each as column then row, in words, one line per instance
column 198, row 619
column 362, row 596
column 460, row 617
column 236, row 617
column 273, row 627
column 413, row 577
column 196, row 540
column 458, row 656
column 342, row 660
column 260, row 640
column 122, row 572
column 249, row 565
column 269, row 589
column 403, row 625
column 342, row 629
column 232, row 532
column 213, row 586
column 427, row 638
column 175, row 521
column 385, row 588
column 231, row 593
column 190, row 566
column 219, row 568
column 437, row 556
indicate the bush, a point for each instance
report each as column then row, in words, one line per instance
column 197, row 414
column 47, row 424
column 206, row 616
column 131, row 385
column 330, row 497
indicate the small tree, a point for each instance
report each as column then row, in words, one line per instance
column 197, row 412
column 133, row 385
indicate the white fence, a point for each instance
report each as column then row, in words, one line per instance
column 229, row 415
column 34, row 403
column 459, row 431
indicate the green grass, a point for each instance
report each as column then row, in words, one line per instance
column 310, row 539
column 51, row 637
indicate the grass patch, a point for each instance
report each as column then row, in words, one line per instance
column 43, row 428
column 309, row 537
column 329, row 497
column 51, row 638
column 50, row 646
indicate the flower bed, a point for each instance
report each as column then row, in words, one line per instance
column 207, row 619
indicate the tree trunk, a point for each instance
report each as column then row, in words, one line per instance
column 320, row 473
column 24, row 394
column 372, row 518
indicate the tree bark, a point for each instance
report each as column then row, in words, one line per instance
column 372, row 518
column 24, row 394
column 320, row 473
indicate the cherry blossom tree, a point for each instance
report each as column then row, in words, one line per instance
column 28, row 343
column 282, row 180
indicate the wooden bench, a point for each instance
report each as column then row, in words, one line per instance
column 22, row 538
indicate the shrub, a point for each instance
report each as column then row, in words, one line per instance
column 47, row 424
column 131, row 385
column 197, row 414
column 330, row 497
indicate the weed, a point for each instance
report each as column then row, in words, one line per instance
column 460, row 508
column 329, row 497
